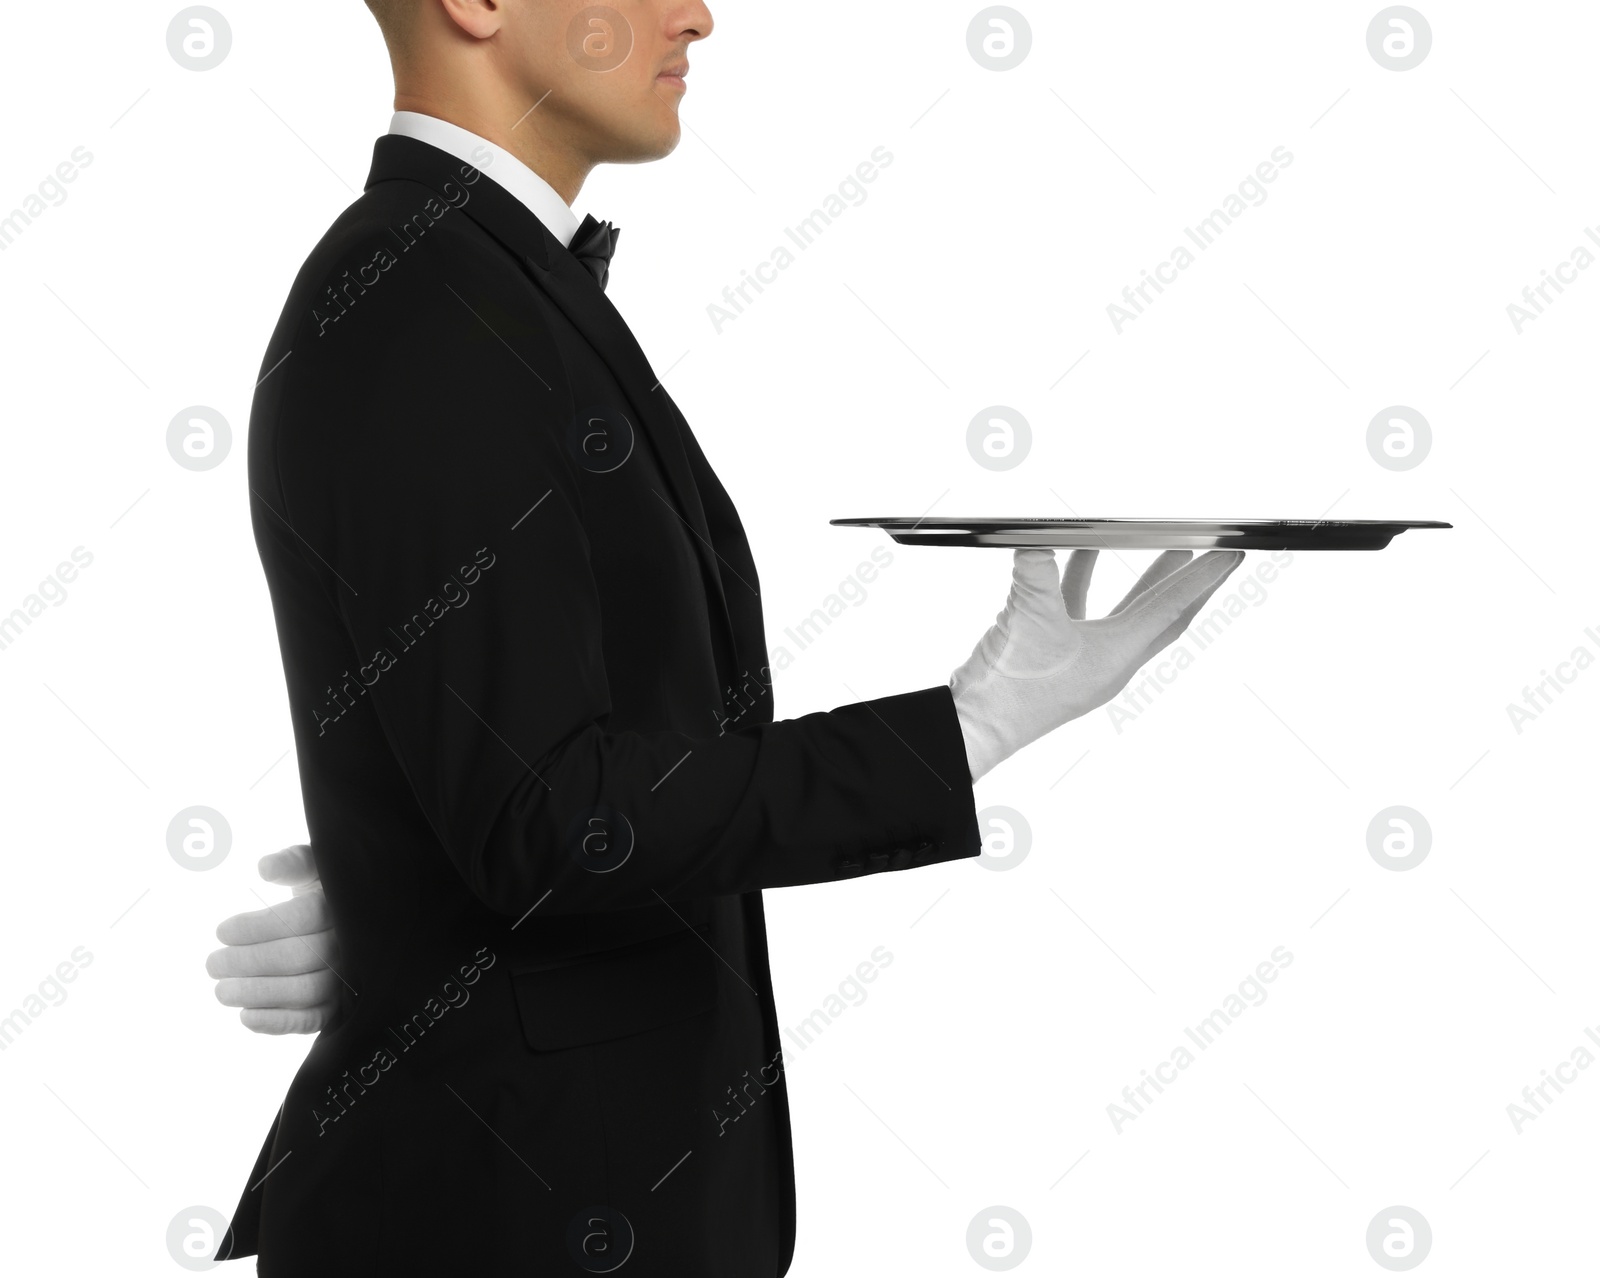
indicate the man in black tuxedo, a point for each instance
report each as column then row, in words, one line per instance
column 521, row 630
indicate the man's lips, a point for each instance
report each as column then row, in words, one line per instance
column 673, row 75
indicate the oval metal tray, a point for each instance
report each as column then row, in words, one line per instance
column 1142, row 534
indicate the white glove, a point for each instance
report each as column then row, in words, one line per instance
column 277, row 964
column 1042, row 663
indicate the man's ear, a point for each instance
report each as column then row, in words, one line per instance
column 480, row 19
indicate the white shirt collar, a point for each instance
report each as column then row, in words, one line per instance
column 537, row 194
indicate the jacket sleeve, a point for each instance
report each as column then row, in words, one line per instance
column 430, row 445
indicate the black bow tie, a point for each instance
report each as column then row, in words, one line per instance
column 593, row 245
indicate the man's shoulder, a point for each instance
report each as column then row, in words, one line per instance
column 403, row 289
column 407, row 321
column 389, row 256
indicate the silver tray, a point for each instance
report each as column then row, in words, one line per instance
column 1143, row 534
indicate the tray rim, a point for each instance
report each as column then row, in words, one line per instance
column 1126, row 533
column 998, row 523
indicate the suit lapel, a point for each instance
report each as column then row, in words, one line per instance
column 574, row 291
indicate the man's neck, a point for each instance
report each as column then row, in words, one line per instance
column 559, row 166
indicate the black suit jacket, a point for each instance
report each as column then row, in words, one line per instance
column 521, row 631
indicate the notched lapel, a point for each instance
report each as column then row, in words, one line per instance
column 584, row 303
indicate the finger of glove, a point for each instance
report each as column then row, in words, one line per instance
column 292, row 867
column 1075, row 582
column 309, row 990
column 1165, row 602
column 1166, row 563
column 287, row 1020
column 291, row 956
column 1034, row 584
column 298, row 916
column 1034, row 573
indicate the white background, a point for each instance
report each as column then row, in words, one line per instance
column 1227, row 819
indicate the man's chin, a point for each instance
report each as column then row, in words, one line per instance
column 641, row 148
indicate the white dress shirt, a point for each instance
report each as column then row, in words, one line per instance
column 510, row 172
